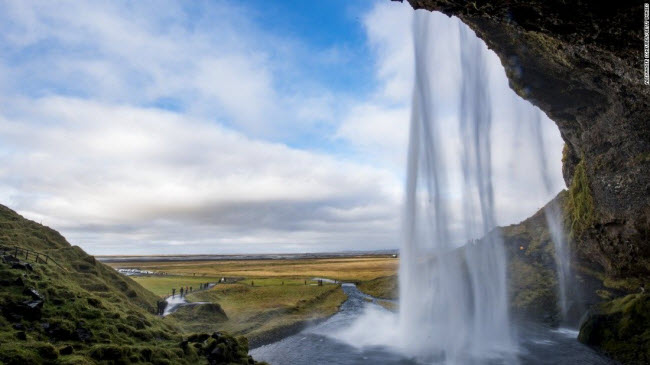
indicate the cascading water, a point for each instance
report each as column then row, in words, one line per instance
column 554, row 217
column 453, row 301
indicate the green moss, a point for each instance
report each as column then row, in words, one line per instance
column 549, row 47
column 621, row 328
column 579, row 205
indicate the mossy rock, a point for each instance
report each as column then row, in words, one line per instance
column 620, row 328
column 580, row 203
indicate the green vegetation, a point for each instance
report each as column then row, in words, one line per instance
column 621, row 328
column 531, row 271
column 84, row 312
column 579, row 203
column 565, row 154
column 162, row 285
column 269, row 307
column 384, row 287
column 200, row 318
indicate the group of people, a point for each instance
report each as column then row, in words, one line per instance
column 188, row 289
column 183, row 291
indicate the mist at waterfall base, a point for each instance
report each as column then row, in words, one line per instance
column 453, row 306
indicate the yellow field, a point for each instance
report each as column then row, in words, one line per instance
column 360, row 268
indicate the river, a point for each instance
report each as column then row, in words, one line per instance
column 363, row 332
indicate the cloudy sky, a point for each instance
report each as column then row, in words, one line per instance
column 230, row 126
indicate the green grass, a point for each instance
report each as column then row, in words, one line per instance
column 384, row 287
column 267, row 306
column 162, row 285
column 88, row 307
column 282, row 293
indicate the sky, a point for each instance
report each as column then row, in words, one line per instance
column 169, row 127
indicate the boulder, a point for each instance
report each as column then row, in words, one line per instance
column 33, row 293
column 22, row 266
column 620, row 328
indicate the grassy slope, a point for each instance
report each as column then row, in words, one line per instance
column 384, row 287
column 89, row 309
column 531, row 269
column 260, row 311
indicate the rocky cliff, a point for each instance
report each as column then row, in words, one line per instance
column 581, row 62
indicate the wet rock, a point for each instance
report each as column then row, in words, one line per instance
column 29, row 310
column 621, row 328
column 33, row 293
column 22, row 266
column 218, row 355
column 83, row 334
column 60, row 331
column 32, row 309
column 200, row 337
column 66, row 350
column 7, row 259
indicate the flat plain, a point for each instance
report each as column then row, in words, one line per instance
column 265, row 299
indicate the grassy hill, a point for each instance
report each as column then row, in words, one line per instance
column 77, row 310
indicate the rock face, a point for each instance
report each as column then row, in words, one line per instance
column 582, row 63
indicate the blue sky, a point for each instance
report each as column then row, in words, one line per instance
column 219, row 126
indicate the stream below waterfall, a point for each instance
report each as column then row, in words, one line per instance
column 363, row 332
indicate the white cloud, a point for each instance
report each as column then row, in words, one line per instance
column 140, row 130
column 112, row 168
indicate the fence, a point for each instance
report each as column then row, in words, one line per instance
column 19, row 252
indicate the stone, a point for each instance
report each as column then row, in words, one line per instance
column 83, row 334
column 22, row 266
column 66, row 350
column 9, row 259
column 33, row 293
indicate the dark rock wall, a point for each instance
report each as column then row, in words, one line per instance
column 581, row 62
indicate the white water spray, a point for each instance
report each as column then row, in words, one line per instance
column 453, row 302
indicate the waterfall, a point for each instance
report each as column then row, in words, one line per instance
column 554, row 217
column 453, row 301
